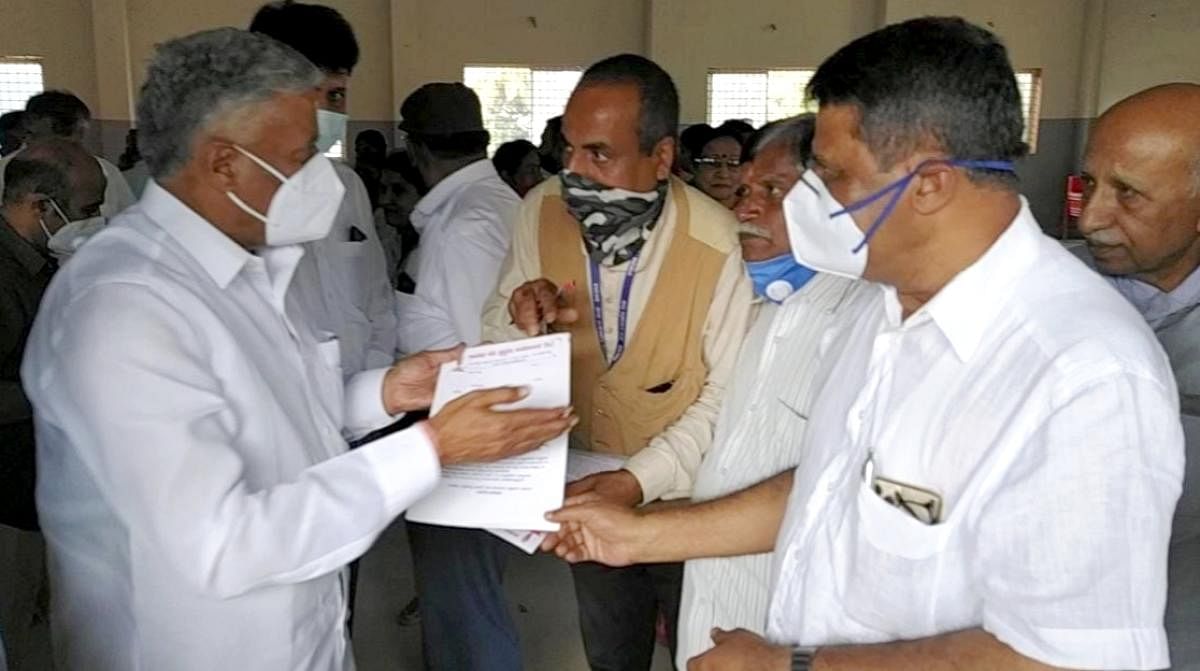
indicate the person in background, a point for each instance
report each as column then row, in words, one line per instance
column 131, row 155
column 990, row 472
column 1141, row 219
column 343, row 278
column 133, row 166
column 12, row 132
column 196, row 489
column 647, row 380
column 801, row 323
column 399, row 191
column 691, row 141
column 51, row 184
column 370, row 150
column 465, row 220
column 62, row 114
column 716, row 164
column 519, row 165
column 551, row 149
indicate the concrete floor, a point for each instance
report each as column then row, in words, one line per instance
column 539, row 589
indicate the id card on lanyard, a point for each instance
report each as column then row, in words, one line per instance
column 622, row 310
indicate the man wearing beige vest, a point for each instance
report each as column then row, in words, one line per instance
column 646, row 274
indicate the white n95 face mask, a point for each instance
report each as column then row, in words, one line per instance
column 820, row 241
column 304, row 206
column 70, row 237
column 824, row 236
column 331, row 129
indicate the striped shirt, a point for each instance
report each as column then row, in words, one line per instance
column 759, row 433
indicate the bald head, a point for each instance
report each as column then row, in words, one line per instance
column 51, row 169
column 1142, row 186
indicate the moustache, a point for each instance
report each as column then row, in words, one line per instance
column 753, row 231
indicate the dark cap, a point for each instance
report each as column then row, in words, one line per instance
column 441, row 108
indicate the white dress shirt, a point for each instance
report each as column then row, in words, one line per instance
column 196, row 492
column 343, row 283
column 466, row 225
column 759, row 433
column 1036, row 402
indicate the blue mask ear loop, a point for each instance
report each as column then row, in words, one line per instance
column 897, row 188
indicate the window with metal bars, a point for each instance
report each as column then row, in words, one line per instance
column 20, row 78
column 759, row 96
column 1029, row 83
column 517, row 100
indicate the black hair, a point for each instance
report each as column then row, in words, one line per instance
column 372, row 136
column 658, row 111
column 796, row 131
column 551, row 156
column 694, row 137
column 401, row 163
column 319, row 32
column 932, row 79
column 12, row 128
column 737, row 128
column 509, row 155
column 453, row 146
column 61, row 110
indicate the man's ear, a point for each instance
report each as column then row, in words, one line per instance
column 664, row 154
column 219, row 161
column 936, row 185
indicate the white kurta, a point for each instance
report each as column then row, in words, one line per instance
column 759, row 433
column 1037, row 403
column 196, row 492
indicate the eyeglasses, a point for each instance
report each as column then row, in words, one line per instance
column 714, row 162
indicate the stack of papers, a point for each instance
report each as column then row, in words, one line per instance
column 513, row 493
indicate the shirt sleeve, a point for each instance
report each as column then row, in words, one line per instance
column 522, row 265
column 472, row 254
column 117, row 195
column 1071, row 551
column 667, row 466
column 128, row 382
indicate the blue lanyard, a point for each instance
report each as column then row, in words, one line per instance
column 622, row 311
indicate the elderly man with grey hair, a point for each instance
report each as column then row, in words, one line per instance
column 797, row 331
column 198, row 498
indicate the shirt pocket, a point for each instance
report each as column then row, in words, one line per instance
column 895, row 567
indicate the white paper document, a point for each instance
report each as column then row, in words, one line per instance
column 513, row 493
column 580, row 464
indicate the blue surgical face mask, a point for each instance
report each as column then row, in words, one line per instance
column 776, row 279
column 824, row 235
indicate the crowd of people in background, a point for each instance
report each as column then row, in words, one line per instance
column 871, row 416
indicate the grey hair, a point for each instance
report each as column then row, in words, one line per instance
column 796, row 132
column 195, row 82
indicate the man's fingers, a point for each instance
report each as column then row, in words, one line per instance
column 497, row 396
column 718, row 634
column 567, row 316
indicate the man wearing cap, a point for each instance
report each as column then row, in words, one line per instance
column 464, row 220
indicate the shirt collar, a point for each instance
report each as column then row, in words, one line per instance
column 1154, row 304
column 966, row 307
column 220, row 256
column 448, row 187
column 21, row 249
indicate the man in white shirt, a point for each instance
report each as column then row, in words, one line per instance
column 62, row 114
column 991, row 468
column 196, row 493
column 343, row 278
column 799, row 329
column 465, row 220
column 1141, row 217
